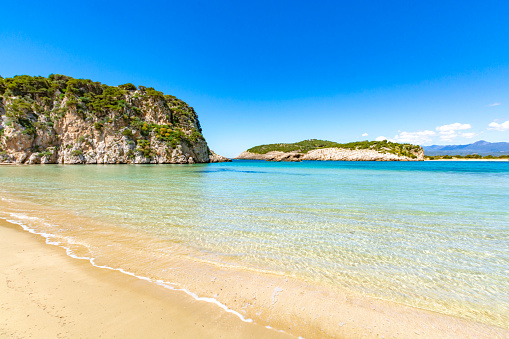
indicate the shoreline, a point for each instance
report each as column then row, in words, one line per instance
column 49, row 294
column 458, row 159
column 323, row 314
column 426, row 160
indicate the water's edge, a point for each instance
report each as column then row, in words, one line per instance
column 359, row 312
column 432, row 236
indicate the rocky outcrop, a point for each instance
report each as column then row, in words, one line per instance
column 218, row 158
column 271, row 156
column 74, row 121
column 331, row 154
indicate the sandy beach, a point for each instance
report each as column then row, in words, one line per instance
column 46, row 294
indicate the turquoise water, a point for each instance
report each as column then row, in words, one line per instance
column 428, row 234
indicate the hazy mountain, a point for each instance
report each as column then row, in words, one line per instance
column 480, row 147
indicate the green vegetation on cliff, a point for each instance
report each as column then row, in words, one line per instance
column 37, row 112
column 96, row 102
column 305, row 146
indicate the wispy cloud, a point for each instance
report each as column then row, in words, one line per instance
column 452, row 127
column 468, row 135
column 427, row 137
column 364, row 134
column 421, row 137
column 449, row 132
column 494, row 104
column 499, row 127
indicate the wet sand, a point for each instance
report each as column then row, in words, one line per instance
column 46, row 294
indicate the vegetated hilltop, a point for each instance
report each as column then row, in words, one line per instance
column 328, row 150
column 76, row 121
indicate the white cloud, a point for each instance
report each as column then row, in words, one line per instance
column 449, row 132
column 381, row 138
column 494, row 104
column 452, row 127
column 426, row 137
column 468, row 135
column 421, row 137
column 364, row 134
column 499, row 127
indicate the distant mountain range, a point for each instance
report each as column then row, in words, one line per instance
column 480, row 147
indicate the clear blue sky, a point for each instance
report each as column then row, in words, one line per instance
column 427, row 72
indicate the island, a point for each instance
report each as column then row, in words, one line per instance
column 63, row 120
column 328, row 150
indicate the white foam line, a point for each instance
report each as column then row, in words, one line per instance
column 161, row 283
column 275, row 329
column 22, row 216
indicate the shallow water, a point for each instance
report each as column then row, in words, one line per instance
column 434, row 235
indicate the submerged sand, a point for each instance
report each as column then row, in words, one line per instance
column 48, row 294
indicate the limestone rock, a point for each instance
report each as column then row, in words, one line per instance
column 330, row 154
column 218, row 158
column 124, row 125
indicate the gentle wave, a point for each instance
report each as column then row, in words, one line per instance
column 165, row 284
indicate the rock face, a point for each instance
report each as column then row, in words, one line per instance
column 74, row 121
column 218, row 158
column 331, row 154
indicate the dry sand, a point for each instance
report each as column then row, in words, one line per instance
column 45, row 294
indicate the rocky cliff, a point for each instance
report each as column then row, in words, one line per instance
column 75, row 121
column 321, row 150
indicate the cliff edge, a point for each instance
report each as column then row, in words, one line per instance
column 77, row 121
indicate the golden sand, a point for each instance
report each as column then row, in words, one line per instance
column 48, row 294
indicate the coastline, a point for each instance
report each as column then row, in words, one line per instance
column 48, row 294
column 456, row 159
column 52, row 280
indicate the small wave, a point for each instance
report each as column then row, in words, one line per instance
column 165, row 284
column 23, row 217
